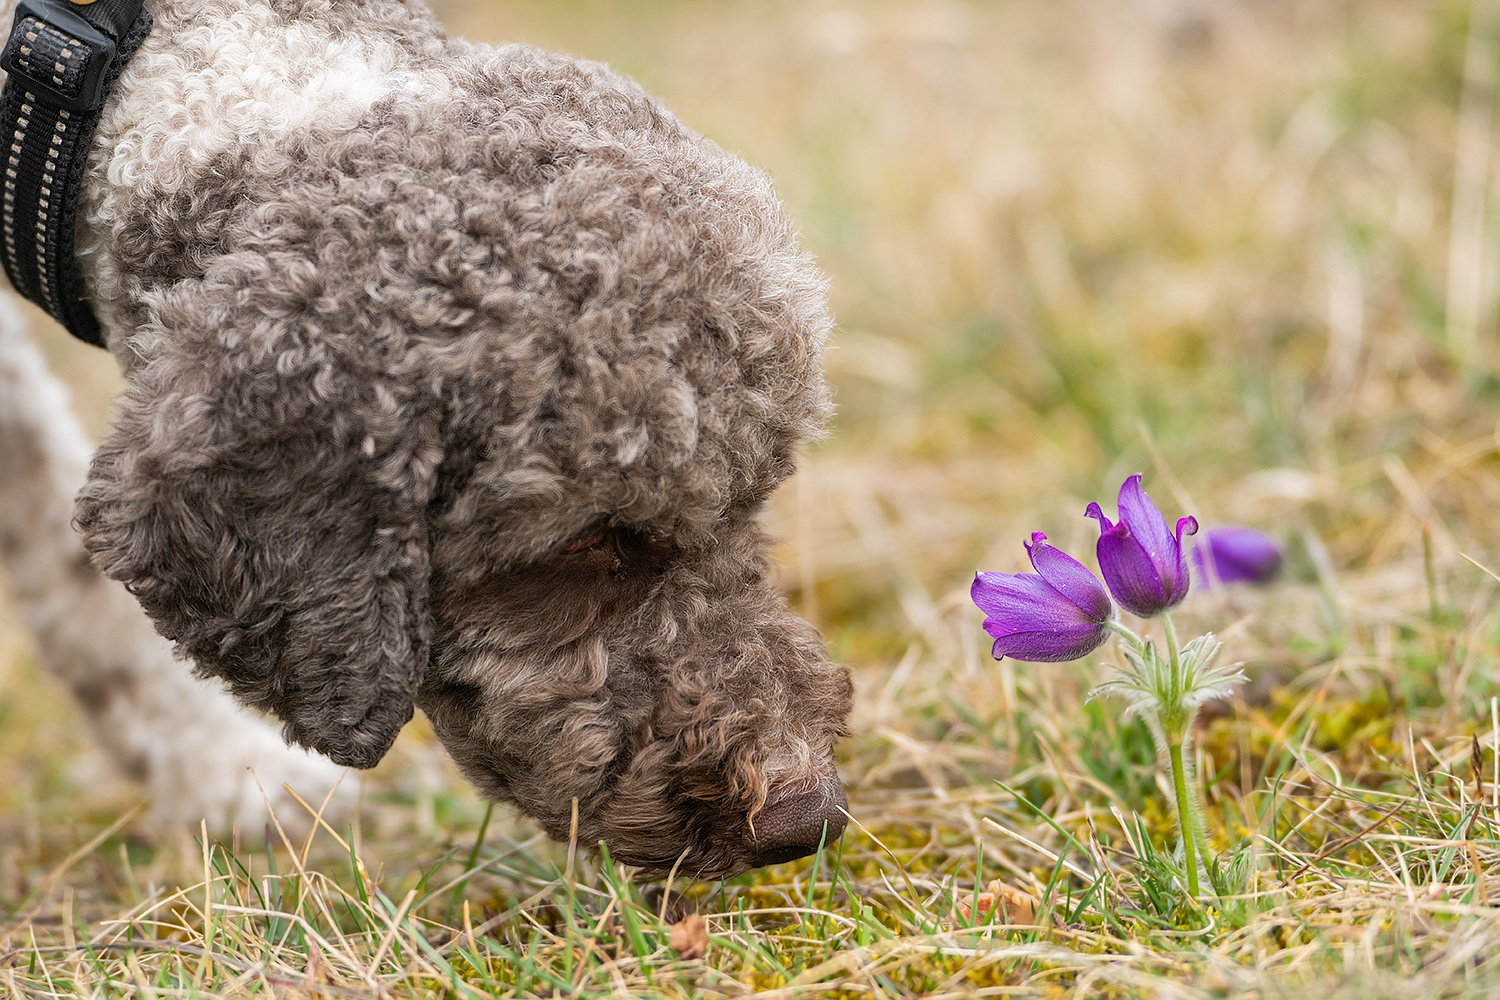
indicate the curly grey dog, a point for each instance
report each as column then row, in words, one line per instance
column 458, row 377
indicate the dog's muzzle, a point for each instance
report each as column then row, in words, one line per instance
column 795, row 825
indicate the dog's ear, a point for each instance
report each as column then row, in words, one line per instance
column 263, row 494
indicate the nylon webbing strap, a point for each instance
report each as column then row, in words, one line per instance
column 61, row 60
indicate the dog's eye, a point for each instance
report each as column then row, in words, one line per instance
column 581, row 544
column 619, row 551
column 604, row 548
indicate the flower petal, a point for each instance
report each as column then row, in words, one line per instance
column 1051, row 646
column 1177, row 578
column 1146, row 523
column 1070, row 578
column 1132, row 575
column 1008, row 596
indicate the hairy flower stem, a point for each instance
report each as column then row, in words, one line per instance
column 1131, row 639
column 1173, row 657
column 1177, row 721
column 1184, row 817
column 1167, row 686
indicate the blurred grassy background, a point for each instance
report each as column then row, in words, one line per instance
column 1245, row 247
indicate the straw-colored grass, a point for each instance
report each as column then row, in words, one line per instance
column 1246, row 248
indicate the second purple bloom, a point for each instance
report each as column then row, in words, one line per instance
column 1141, row 558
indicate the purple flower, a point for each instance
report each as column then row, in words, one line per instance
column 1239, row 555
column 1141, row 559
column 1058, row 615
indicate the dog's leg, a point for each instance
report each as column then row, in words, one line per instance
column 185, row 740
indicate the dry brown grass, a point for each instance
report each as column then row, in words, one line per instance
column 1250, row 252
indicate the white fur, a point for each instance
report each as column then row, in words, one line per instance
column 238, row 77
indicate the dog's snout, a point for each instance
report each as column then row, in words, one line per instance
column 795, row 825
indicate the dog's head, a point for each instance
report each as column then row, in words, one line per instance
column 476, row 410
column 663, row 689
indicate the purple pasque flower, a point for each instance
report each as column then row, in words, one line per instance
column 1240, row 555
column 1060, row 612
column 1141, row 559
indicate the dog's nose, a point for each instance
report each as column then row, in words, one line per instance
column 793, row 826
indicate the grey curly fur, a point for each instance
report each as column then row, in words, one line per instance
column 464, row 392
column 190, row 746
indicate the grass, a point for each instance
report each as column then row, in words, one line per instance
column 1251, row 254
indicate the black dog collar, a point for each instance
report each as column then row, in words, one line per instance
column 61, row 60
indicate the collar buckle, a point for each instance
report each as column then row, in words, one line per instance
column 58, row 56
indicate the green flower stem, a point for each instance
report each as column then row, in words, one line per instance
column 1135, row 642
column 1159, row 684
column 1184, row 817
column 1174, row 659
column 1195, row 811
column 1178, row 721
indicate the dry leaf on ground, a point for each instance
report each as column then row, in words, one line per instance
column 689, row 937
column 1001, row 903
